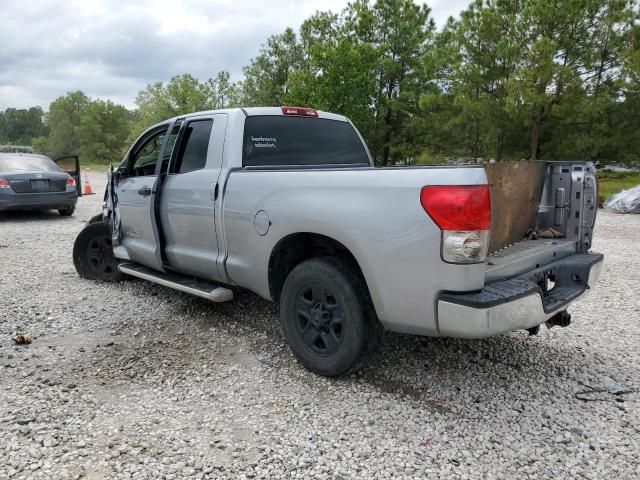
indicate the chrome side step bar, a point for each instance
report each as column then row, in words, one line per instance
column 200, row 288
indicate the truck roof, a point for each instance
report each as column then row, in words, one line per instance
column 255, row 111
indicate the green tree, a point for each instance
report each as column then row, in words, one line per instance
column 531, row 79
column 363, row 63
column 103, row 131
column 507, row 79
column 266, row 78
column 183, row 94
column 475, row 60
column 63, row 119
column 571, row 55
column 95, row 130
column 336, row 75
column 225, row 94
column 399, row 31
column 20, row 126
column 585, row 122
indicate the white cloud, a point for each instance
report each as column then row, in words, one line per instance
column 443, row 9
column 111, row 49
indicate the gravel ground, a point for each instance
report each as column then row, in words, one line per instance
column 133, row 380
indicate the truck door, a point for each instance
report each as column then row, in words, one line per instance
column 189, row 195
column 135, row 191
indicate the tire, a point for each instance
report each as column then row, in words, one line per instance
column 96, row 219
column 93, row 254
column 327, row 317
column 66, row 212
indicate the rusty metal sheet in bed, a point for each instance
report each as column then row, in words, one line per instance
column 516, row 188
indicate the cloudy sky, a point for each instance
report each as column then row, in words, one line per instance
column 111, row 49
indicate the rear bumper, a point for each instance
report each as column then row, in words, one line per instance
column 33, row 201
column 517, row 303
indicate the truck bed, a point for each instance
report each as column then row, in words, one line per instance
column 535, row 196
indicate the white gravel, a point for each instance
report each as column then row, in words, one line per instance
column 137, row 381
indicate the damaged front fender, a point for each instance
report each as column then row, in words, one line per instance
column 110, row 210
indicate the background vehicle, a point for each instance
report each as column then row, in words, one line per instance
column 35, row 182
column 286, row 202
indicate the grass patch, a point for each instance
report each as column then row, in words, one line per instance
column 613, row 182
column 94, row 167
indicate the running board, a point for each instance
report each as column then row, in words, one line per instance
column 200, row 288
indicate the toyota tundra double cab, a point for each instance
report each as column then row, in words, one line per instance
column 286, row 202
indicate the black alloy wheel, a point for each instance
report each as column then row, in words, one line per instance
column 327, row 316
column 320, row 318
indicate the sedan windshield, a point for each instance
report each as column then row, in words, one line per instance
column 24, row 163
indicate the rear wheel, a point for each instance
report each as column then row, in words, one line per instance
column 66, row 212
column 93, row 253
column 327, row 317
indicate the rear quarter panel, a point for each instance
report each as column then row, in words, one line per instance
column 375, row 213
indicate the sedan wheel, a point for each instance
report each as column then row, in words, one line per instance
column 66, row 212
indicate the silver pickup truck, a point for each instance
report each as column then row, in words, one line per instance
column 286, row 202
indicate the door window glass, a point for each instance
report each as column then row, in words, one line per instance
column 194, row 146
column 168, row 151
column 144, row 159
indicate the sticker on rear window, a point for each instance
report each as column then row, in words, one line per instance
column 264, row 142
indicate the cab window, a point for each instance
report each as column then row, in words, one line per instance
column 168, row 151
column 194, row 146
column 144, row 157
column 274, row 140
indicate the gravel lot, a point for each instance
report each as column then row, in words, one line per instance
column 133, row 380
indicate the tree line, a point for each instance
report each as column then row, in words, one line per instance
column 505, row 80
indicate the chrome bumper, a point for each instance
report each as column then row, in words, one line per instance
column 462, row 319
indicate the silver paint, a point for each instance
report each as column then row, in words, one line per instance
column 187, row 211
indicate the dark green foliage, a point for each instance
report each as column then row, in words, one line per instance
column 94, row 129
column 103, row 131
column 267, row 76
column 506, row 80
column 63, row 120
column 19, row 126
column 183, row 94
column 538, row 78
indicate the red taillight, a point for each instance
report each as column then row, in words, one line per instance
column 71, row 182
column 4, row 183
column 300, row 112
column 458, row 207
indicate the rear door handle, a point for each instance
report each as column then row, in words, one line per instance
column 144, row 191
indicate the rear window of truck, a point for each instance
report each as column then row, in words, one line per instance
column 275, row 141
